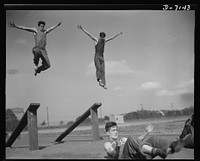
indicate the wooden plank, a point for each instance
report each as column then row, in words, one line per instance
column 32, row 130
column 77, row 122
column 22, row 124
column 95, row 124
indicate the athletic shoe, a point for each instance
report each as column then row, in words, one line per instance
column 176, row 146
column 103, row 85
column 35, row 69
column 162, row 153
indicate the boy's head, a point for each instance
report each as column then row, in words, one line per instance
column 102, row 35
column 41, row 24
column 111, row 130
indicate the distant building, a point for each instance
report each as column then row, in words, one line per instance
column 19, row 112
column 117, row 118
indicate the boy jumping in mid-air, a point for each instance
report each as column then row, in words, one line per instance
column 39, row 50
column 99, row 57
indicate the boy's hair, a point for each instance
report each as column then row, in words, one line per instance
column 102, row 34
column 109, row 125
column 41, row 22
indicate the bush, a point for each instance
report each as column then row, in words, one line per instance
column 143, row 114
column 11, row 121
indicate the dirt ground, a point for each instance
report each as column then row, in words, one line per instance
column 79, row 145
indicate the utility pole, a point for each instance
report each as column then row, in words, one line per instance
column 172, row 109
column 172, row 106
column 142, row 107
column 101, row 113
column 47, row 117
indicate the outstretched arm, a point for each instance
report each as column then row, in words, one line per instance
column 12, row 25
column 53, row 27
column 148, row 129
column 87, row 33
column 113, row 37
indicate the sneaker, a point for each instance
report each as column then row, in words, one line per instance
column 105, row 87
column 102, row 85
column 35, row 69
column 162, row 153
column 176, row 146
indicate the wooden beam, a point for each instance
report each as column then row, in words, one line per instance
column 95, row 124
column 32, row 129
column 77, row 122
column 22, row 124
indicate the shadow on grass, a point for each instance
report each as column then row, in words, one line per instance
column 27, row 147
column 77, row 140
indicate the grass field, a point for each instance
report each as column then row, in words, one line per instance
column 79, row 145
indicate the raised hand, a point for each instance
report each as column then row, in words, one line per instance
column 149, row 128
column 79, row 27
column 11, row 24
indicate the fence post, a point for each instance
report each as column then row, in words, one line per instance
column 32, row 129
column 95, row 124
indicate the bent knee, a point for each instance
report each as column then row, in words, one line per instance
column 35, row 50
column 46, row 65
column 132, row 139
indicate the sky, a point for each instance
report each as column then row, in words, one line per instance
column 151, row 65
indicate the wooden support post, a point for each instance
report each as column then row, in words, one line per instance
column 95, row 124
column 32, row 129
column 22, row 124
column 93, row 111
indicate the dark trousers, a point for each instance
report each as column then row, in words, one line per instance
column 40, row 53
column 132, row 147
column 189, row 141
column 100, row 68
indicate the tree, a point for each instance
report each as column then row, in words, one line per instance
column 61, row 122
column 11, row 121
column 70, row 123
column 106, row 118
